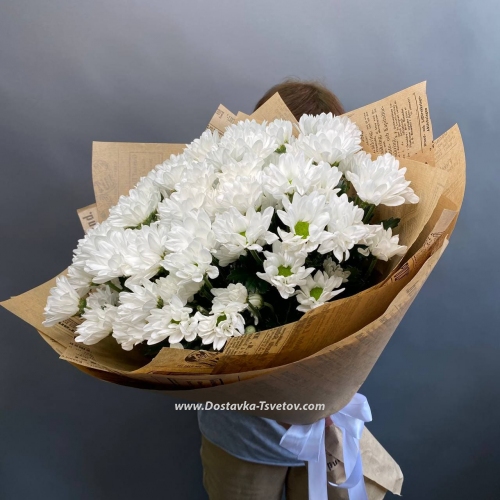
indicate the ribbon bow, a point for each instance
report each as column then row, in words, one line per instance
column 307, row 442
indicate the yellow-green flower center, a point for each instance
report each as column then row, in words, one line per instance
column 316, row 292
column 284, row 271
column 302, row 229
column 221, row 318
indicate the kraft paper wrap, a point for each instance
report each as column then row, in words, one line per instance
column 325, row 356
column 381, row 472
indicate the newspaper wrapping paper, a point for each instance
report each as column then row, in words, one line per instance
column 329, row 352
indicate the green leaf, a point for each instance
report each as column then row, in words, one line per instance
column 255, row 285
column 251, row 281
column 390, row 223
column 82, row 304
column 238, row 275
column 344, row 185
column 152, row 217
column 315, row 259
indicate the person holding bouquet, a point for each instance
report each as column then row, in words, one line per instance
column 241, row 454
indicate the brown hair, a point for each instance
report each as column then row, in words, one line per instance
column 303, row 97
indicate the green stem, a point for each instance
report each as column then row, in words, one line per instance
column 205, row 293
column 207, row 282
column 368, row 208
column 256, row 256
column 270, row 306
column 122, row 280
column 344, row 185
column 372, row 265
column 114, row 287
column 255, row 311
column 202, row 310
column 369, row 214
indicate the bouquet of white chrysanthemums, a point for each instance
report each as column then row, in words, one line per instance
column 273, row 240
column 241, row 232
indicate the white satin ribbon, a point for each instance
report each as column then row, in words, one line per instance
column 307, row 442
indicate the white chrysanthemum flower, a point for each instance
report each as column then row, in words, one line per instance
column 238, row 233
column 171, row 210
column 246, row 129
column 219, row 326
column 291, row 148
column 334, row 269
column 221, row 158
column 138, row 207
column 272, row 158
column 192, row 264
column 326, row 146
column 80, row 280
column 134, row 308
column 306, row 216
column 234, row 298
column 241, row 193
column 314, row 124
column 250, row 166
column 99, row 315
column 62, row 303
column 294, row 173
column 171, row 285
column 167, row 287
column 199, row 149
column 350, row 163
column 322, row 178
column 172, row 321
column 328, row 138
column 285, row 269
column 281, row 130
column 346, row 227
column 80, row 253
column 317, row 290
column 382, row 244
column 380, row 182
column 248, row 137
column 102, row 296
column 268, row 201
column 240, row 151
column 167, row 175
column 106, row 255
column 195, row 225
column 196, row 185
column 288, row 175
column 147, row 252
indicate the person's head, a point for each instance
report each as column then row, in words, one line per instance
column 303, row 97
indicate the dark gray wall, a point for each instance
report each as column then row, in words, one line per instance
column 155, row 71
